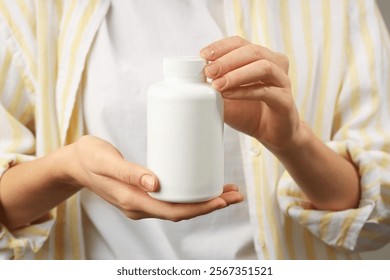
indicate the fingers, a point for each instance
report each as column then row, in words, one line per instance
column 276, row 98
column 244, row 71
column 231, row 195
column 230, row 187
column 260, row 71
column 135, row 203
column 148, row 207
column 239, row 57
column 233, row 52
column 222, row 47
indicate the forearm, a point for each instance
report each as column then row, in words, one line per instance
column 30, row 190
column 330, row 181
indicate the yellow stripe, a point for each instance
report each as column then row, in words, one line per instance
column 74, row 227
column 4, row 69
column 367, row 168
column 45, row 74
column 45, row 253
column 47, row 114
column 306, row 19
column 256, row 161
column 75, row 125
column 288, row 222
column 331, row 253
column 36, row 230
column 59, row 9
column 264, row 18
column 43, row 46
column 369, row 46
column 254, row 24
column 385, row 33
column 350, row 218
column 27, row 14
column 16, row 98
column 338, row 114
column 27, row 115
column 17, row 134
column 84, row 22
column 272, row 216
column 355, row 100
column 380, row 126
column 375, row 197
column 320, row 111
column 326, row 219
column 324, row 228
column 20, row 38
column 76, row 41
column 289, row 237
column 65, row 26
column 287, row 42
column 307, row 236
column 59, row 242
column 277, row 243
column 18, row 246
column 239, row 19
column 258, row 187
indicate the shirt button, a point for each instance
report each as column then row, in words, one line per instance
column 255, row 151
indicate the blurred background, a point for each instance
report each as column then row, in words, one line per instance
column 384, row 6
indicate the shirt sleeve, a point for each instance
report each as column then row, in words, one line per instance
column 17, row 141
column 361, row 133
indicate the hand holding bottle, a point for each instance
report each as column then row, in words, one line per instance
column 101, row 168
column 30, row 190
column 254, row 83
column 256, row 88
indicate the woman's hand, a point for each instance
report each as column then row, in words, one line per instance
column 28, row 191
column 101, row 168
column 256, row 88
column 258, row 101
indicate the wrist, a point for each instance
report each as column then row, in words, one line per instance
column 64, row 161
column 301, row 141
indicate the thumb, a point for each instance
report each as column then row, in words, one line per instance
column 136, row 175
column 109, row 162
column 129, row 173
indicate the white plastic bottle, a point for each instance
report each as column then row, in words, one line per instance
column 185, row 133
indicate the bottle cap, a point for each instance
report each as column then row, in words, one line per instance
column 184, row 68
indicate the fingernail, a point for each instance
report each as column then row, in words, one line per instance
column 212, row 69
column 148, row 182
column 219, row 83
column 207, row 53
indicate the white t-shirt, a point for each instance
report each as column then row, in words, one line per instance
column 126, row 58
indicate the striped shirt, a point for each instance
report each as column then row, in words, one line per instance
column 339, row 58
